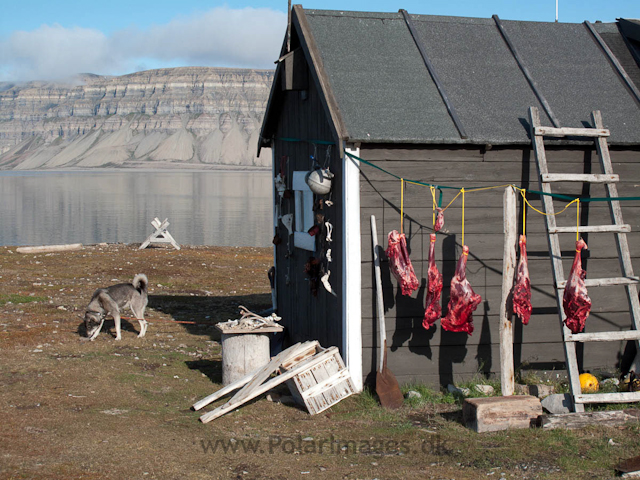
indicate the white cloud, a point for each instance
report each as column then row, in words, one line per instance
column 247, row 37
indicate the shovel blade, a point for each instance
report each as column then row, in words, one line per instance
column 388, row 389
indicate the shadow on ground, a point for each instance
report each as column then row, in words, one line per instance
column 205, row 311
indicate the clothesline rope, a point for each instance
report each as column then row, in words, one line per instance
column 559, row 196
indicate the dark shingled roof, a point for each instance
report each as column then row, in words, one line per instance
column 385, row 94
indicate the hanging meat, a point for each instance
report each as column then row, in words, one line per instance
column 439, row 219
column 576, row 301
column 522, row 288
column 434, row 288
column 400, row 263
column 462, row 300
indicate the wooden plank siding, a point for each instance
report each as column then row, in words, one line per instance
column 440, row 357
column 304, row 316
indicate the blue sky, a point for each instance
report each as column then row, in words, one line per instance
column 47, row 40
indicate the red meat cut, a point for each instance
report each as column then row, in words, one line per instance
column 439, row 219
column 522, row 288
column 434, row 288
column 462, row 301
column 400, row 263
column 576, row 301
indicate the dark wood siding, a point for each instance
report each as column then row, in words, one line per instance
column 437, row 356
column 307, row 317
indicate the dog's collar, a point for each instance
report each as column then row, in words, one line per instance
column 100, row 314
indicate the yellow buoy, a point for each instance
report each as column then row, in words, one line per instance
column 588, row 383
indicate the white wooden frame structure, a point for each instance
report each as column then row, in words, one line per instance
column 161, row 235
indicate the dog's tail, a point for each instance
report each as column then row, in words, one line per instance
column 140, row 282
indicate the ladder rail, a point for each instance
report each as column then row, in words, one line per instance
column 556, row 255
column 619, row 229
column 621, row 238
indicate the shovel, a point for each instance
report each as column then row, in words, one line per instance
column 387, row 386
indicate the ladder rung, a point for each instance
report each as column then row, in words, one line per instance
column 571, row 132
column 603, row 336
column 604, row 282
column 621, row 397
column 580, row 177
column 593, row 229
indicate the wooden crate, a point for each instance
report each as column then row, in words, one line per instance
column 323, row 383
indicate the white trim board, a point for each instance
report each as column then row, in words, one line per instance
column 351, row 269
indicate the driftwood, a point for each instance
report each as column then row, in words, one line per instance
column 50, row 248
column 508, row 269
column 584, row 419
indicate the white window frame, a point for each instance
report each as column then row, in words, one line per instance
column 304, row 218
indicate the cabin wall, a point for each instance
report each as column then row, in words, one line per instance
column 305, row 316
column 440, row 357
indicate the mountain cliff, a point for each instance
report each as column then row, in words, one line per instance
column 169, row 118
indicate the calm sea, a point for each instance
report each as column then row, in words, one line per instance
column 203, row 207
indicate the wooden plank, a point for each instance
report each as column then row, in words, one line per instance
column 307, row 349
column 259, row 390
column 327, row 383
column 50, row 248
column 541, row 329
column 569, row 421
column 621, row 397
column 488, row 272
column 576, row 177
column 434, row 76
column 614, row 60
column 501, row 413
column 510, row 157
column 571, row 132
column 604, row 282
column 604, row 336
column 593, row 229
column 525, row 71
column 264, row 373
column 228, row 389
column 508, row 269
column 554, row 249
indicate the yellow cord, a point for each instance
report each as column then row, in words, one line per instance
column 433, row 195
column 547, row 214
column 462, row 191
column 401, row 205
column 524, row 212
column 489, row 188
column 454, row 199
column 578, row 220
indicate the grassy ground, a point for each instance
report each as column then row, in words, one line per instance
column 106, row 409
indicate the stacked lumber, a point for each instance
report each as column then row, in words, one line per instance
column 318, row 379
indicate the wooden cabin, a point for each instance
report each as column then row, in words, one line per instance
column 443, row 101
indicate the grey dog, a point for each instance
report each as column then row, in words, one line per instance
column 111, row 300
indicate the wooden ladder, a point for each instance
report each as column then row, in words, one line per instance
column 618, row 227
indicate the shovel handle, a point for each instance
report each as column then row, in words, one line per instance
column 382, row 334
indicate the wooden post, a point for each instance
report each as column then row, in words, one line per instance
column 508, row 270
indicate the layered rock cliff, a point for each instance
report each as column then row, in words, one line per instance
column 174, row 117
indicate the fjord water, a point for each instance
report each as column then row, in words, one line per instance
column 203, row 207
